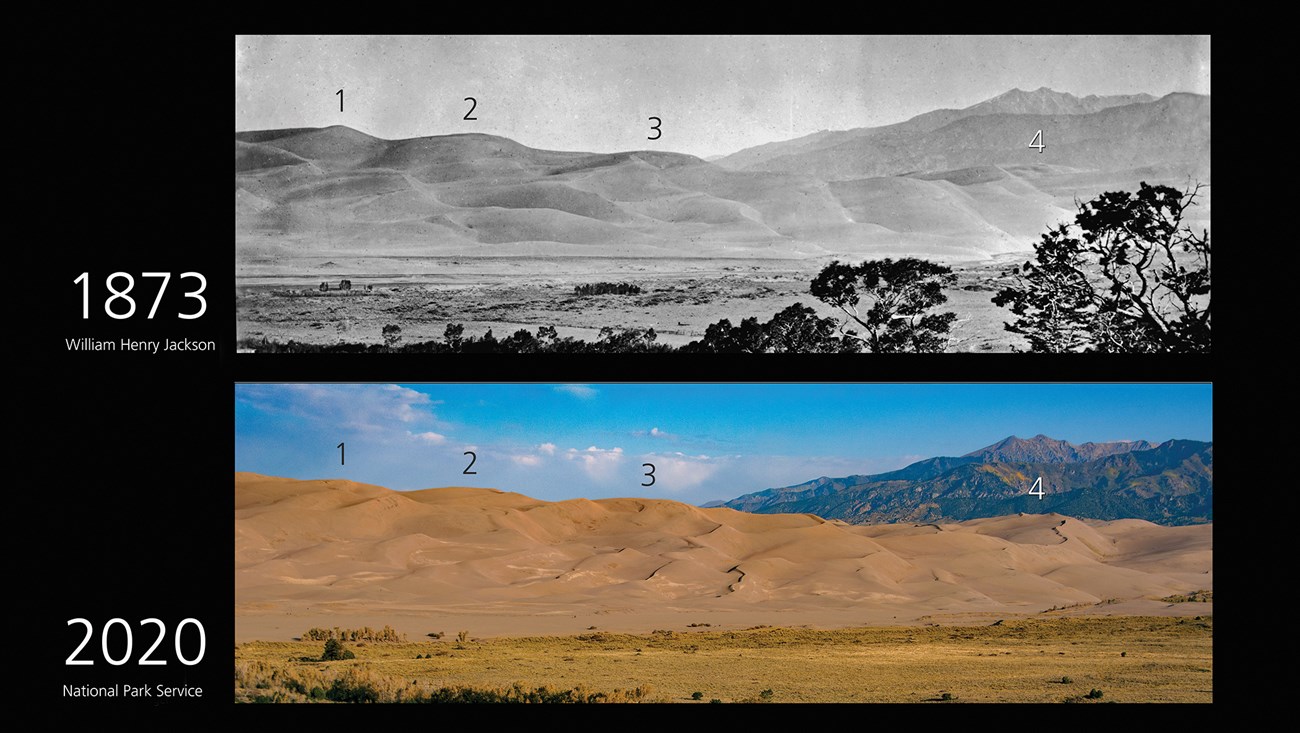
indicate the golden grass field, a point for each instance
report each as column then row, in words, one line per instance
column 1129, row 659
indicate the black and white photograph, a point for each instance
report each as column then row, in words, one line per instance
column 736, row 194
column 1012, row 506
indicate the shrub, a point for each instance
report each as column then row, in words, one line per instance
column 1094, row 694
column 334, row 651
column 797, row 329
column 697, row 695
column 343, row 691
column 607, row 288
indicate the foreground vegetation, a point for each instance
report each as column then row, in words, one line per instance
column 1128, row 275
column 1120, row 659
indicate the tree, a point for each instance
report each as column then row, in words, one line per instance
column 900, row 293
column 797, row 329
column 454, row 335
column 1127, row 276
column 392, row 335
column 334, row 650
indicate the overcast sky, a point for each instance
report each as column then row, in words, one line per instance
column 706, row 441
column 714, row 94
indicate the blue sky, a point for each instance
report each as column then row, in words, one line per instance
column 707, row 441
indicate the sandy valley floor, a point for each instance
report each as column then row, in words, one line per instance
column 680, row 298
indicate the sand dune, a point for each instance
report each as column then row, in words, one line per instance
column 332, row 191
column 326, row 549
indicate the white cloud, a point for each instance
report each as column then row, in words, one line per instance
column 428, row 437
column 527, row 460
column 676, row 472
column 657, row 433
column 581, row 391
column 547, row 448
column 599, row 463
column 380, row 410
column 402, row 402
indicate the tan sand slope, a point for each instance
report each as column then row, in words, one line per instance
column 304, row 547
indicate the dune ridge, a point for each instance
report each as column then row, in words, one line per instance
column 335, row 546
column 336, row 191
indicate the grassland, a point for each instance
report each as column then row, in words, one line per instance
column 1129, row 659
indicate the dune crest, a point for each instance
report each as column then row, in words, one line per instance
column 349, row 546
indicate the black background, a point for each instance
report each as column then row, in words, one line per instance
column 125, row 506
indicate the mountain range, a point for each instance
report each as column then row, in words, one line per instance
column 1109, row 133
column 947, row 184
column 1170, row 483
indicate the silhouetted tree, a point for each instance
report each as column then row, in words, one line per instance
column 627, row 341
column 454, row 334
column 521, row 342
column 1127, row 276
column 797, row 329
column 898, row 295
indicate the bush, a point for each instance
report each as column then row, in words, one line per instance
column 1127, row 276
column 697, row 695
column 766, row 695
column 334, row 651
column 1094, row 694
column 462, row 636
column 947, row 696
column 1066, row 680
column 797, row 329
column 607, row 288
column 342, row 691
column 365, row 633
